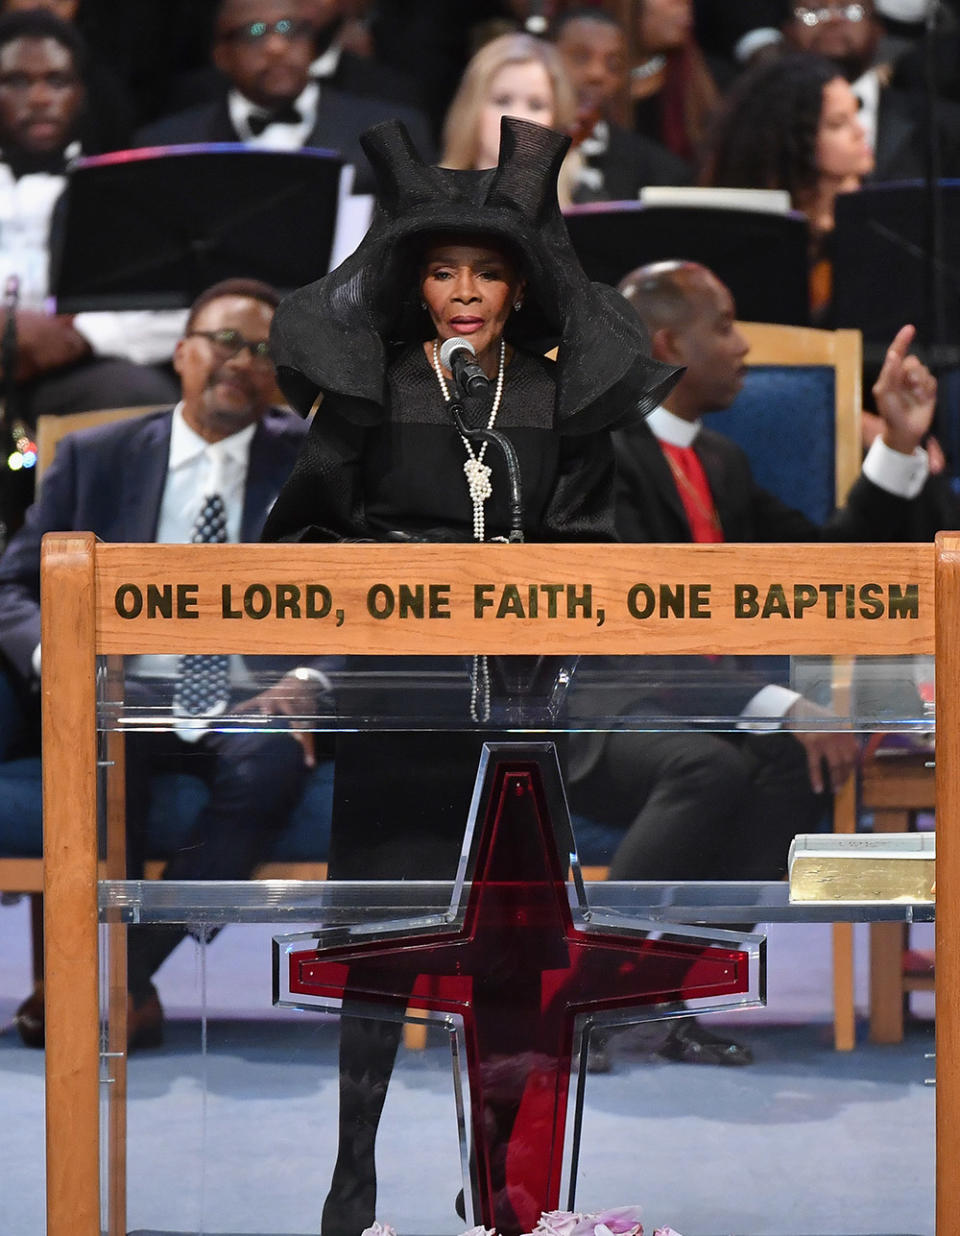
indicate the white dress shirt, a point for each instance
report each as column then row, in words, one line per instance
column 26, row 210
column 275, row 136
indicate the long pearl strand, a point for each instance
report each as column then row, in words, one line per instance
column 475, row 470
column 478, row 483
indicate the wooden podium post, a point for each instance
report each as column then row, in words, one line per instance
column 398, row 600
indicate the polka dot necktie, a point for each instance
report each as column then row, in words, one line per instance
column 202, row 685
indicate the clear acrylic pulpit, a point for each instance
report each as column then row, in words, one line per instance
column 449, row 1004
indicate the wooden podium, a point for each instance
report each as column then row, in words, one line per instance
column 826, row 600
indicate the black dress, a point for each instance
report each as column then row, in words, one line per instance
column 366, row 470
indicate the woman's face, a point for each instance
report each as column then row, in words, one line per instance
column 521, row 90
column 664, row 24
column 842, row 152
column 469, row 290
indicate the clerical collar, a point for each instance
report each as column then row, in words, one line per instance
column 186, row 444
column 241, row 109
column 673, row 429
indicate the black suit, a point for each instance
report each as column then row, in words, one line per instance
column 110, row 480
column 341, row 118
column 697, row 805
column 628, row 163
column 649, row 507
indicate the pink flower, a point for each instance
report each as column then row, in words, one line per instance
column 665, row 1231
column 558, row 1223
column 379, row 1229
column 620, row 1221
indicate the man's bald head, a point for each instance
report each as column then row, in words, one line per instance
column 667, row 293
column 690, row 317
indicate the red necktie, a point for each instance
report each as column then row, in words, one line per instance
column 694, row 490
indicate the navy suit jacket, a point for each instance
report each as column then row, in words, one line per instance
column 109, row 480
column 341, row 118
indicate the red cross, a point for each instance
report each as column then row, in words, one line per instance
column 519, row 971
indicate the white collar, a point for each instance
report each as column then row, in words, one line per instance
column 186, row 445
column 241, row 108
column 673, row 429
column 327, row 64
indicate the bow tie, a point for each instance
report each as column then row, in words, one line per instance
column 258, row 121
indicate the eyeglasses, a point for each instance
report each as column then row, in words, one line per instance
column 839, row 12
column 287, row 27
column 229, row 342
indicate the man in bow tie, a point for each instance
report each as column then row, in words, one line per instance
column 264, row 49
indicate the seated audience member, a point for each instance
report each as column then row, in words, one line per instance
column 738, row 32
column 514, row 75
column 672, row 90
column 62, row 363
column 726, row 806
column 893, row 119
column 107, row 121
column 793, row 123
column 616, row 163
column 264, row 49
column 336, row 65
column 224, row 452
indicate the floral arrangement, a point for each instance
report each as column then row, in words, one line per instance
column 620, row 1221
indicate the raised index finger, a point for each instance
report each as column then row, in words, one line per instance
column 901, row 341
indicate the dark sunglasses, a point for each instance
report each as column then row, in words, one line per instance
column 287, row 27
column 230, row 342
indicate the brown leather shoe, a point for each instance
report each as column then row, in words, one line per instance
column 144, row 1022
column 29, row 1018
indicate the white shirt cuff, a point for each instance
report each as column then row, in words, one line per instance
column 769, row 702
column 754, row 40
column 144, row 336
column 901, row 475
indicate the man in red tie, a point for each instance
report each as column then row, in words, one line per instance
column 700, row 805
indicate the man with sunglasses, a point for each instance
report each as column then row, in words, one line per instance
column 157, row 478
column 264, row 49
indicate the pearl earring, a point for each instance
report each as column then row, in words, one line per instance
column 423, row 304
column 518, row 305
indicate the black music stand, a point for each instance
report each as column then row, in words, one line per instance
column 882, row 267
column 150, row 229
column 761, row 257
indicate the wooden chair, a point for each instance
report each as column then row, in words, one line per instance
column 831, row 407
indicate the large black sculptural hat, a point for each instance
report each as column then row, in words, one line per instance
column 336, row 335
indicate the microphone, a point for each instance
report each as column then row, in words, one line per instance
column 460, row 357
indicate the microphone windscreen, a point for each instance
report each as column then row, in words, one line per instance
column 450, row 347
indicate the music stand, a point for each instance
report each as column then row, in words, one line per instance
column 761, row 257
column 152, row 228
column 882, row 265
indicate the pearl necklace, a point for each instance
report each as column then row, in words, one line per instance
column 475, row 470
column 478, row 483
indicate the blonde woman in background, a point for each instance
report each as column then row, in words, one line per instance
column 513, row 75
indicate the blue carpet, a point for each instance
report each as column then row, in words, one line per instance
column 241, row 1140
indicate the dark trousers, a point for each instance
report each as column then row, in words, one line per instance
column 699, row 806
column 255, row 782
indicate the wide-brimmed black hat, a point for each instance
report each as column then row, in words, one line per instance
column 335, row 335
